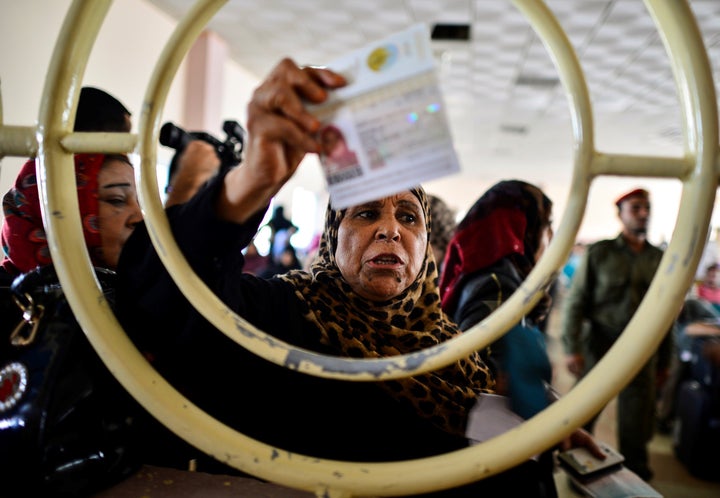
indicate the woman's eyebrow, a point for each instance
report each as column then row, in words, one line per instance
column 409, row 204
column 371, row 204
column 113, row 185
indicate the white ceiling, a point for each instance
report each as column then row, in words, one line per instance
column 508, row 113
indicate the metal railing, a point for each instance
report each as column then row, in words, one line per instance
column 54, row 143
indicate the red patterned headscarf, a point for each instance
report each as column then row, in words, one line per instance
column 23, row 234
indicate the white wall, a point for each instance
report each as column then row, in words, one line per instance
column 121, row 62
column 123, row 58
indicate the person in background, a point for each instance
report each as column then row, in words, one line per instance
column 106, row 194
column 493, row 250
column 108, row 206
column 710, row 253
column 568, row 270
column 255, row 263
column 281, row 229
column 197, row 163
column 99, row 111
column 606, row 290
column 696, row 313
column 708, row 288
column 286, row 262
column 443, row 226
column 279, row 221
column 107, row 198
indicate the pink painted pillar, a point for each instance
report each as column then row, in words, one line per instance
column 205, row 79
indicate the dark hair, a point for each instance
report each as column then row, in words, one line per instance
column 99, row 111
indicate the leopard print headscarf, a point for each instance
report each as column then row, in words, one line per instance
column 359, row 328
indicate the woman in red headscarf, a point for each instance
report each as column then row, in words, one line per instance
column 109, row 211
column 493, row 250
column 80, row 408
column 505, row 232
column 106, row 195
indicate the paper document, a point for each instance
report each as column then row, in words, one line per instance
column 387, row 130
column 489, row 417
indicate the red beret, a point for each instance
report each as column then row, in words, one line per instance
column 638, row 192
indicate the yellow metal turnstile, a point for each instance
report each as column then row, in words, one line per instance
column 53, row 141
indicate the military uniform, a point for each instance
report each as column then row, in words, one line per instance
column 606, row 290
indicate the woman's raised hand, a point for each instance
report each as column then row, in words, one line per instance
column 280, row 132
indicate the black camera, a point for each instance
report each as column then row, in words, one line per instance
column 229, row 152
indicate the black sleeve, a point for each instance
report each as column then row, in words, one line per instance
column 153, row 308
column 280, row 406
column 479, row 297
column 482, row 294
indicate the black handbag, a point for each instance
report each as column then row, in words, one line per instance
column 66, row 424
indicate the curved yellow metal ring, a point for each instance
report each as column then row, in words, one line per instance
column 281, row 353
column 205, row 301
column 386, row 479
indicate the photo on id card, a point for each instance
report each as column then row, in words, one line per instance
column 340, row 148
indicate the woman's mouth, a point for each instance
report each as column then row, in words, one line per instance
column 386, row 260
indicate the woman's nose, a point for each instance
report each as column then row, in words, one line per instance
column 388, row 231
column 136, row 216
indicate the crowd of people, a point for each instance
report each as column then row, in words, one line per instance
column 387, row 277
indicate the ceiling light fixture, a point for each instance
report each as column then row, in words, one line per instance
column 450, row 32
